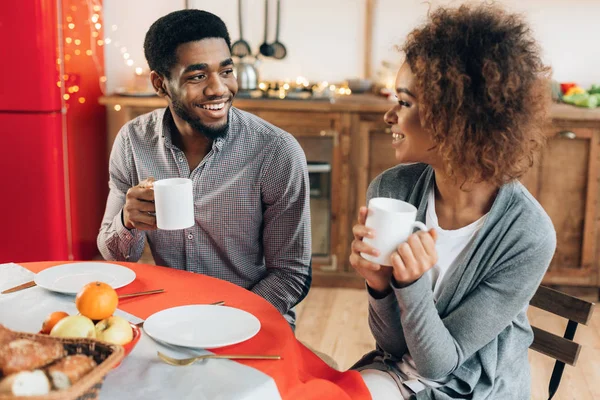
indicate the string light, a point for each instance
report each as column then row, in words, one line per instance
column 92, row 22
column 117, row 107
column 95, row 23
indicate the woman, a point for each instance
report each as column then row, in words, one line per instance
column 449, row 316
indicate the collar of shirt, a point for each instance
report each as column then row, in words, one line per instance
column 164, row 128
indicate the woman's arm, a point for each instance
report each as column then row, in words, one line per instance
column 439, row 346
column 385, row 324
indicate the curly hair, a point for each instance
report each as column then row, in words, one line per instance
column 482, row 91
column 178, row 27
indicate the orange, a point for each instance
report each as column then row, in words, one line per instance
column 97, row 300
column 51, row 320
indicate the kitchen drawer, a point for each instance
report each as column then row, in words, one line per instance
column 301, row 123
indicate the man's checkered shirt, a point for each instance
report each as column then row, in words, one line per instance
column 251, row 200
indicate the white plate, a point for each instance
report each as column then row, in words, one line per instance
column 202, row 326
column 70, row 278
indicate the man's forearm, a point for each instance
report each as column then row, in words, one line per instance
column 118, row 243
column 283, row 288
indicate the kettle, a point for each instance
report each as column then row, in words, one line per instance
column 246, row 73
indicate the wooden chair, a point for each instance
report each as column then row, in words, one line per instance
column 563, row 349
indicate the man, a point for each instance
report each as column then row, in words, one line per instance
column 250, row 178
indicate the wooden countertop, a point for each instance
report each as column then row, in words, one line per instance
column 364, row 103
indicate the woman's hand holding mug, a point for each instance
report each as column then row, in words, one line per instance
column 377, row 276
column 383, row 238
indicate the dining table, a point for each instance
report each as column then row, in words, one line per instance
column 298, row 374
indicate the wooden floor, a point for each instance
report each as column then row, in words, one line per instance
column 334, row 321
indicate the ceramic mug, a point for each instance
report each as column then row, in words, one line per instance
column 174, row 203
column 393, row 221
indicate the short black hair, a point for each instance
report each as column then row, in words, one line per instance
column 178, row 27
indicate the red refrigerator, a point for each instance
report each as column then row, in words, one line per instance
column 52, row 131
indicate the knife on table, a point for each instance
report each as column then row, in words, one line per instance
column 19, row 287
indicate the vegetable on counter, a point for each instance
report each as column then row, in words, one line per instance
column 577, row 96
column 595, row 89
column 583, row 99
column 574, row 90
column 564, row 87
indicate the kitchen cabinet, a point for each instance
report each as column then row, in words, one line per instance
column 565, row 182
column 347, row 145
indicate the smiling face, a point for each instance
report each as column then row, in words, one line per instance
column 201, row 86
column 410, row 139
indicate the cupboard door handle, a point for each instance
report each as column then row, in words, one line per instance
column 566, row 135
column 331, row 133
column 331, row 267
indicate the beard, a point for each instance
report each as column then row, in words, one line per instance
column 211, row 132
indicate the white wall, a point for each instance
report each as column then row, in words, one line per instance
column 132, row 18
column 565, row 29
column 325, row 38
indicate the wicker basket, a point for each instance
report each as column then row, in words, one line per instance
column 105, row 354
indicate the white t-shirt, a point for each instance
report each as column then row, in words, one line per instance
column 450, row 245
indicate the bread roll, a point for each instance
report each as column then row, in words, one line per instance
column 24, row 354
column 6, row 335
column 66, row 371
column 25, row 383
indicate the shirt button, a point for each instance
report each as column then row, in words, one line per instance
column 180, row 159
column 190, row 236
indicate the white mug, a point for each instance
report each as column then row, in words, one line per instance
column 393, row 222
column 174, row 203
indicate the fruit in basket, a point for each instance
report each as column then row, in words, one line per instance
column 74, row 326
column 51, row 320
column 97, row 300
column 115, row 330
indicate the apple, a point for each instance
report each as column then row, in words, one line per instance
column 74, row 326
column 115, row 330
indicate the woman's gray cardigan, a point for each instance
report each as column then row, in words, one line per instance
column 477, row 333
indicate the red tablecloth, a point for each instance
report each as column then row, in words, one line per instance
column 300, row 374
